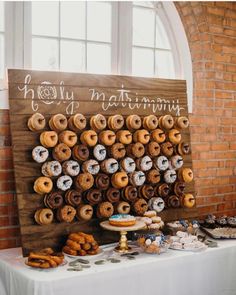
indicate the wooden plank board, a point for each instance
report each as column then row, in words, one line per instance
column 56, row 92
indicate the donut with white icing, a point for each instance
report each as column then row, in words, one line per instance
column 170, row 176
column 161, row 163
column 91, row 166
column 64, row 182
column 176, row 162
column 71, row 168
column 128, row 165
column 99, row 152
column 144, row 164
column 137, row 178
column 52, row 168
column 40, row 154
column 109, row 166
column 157, row 204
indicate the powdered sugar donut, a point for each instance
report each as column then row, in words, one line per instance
column 170, row 176
column 109, row 166
column 128, row 165
column 99, row 152
column 176, row 162
column 91, row 166
column 64, row 182
column 52, row 168
column 137, row 178
column 40, row 154
column 161, row 163
column 156, row 204
column 71, row 168
column 144, row 164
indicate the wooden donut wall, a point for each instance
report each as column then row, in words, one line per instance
column 51, row 93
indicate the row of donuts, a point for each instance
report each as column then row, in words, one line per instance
column 98, row 122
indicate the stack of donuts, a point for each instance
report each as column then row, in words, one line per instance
column 100, row 165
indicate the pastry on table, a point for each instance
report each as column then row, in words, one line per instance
column 45, row 258
column 122, row 220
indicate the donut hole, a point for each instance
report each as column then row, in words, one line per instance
column 84, row 151
column 170, row 121
column 179, row 161
column 74, row 167
column 102, row 151
column 70, row 137
column 123, row 178
column 62, row 121
column 41, row 120
column 66, row 181
column 64, row 150
column 110, row 136
column 131, row 164
column 48, row 215
column 57, row 200
column 42, row 152
column 81, row 120
column 88, row 211
column 146, row 136
column 102, row 121
column 46, row 183
column 141, row 176
column 109, row 209
column 119, row 121
column 92, row 136
column 53, row 137
column 128, row 135
column 185, row 122
column 137, row 121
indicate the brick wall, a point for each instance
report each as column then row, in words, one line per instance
column 211, row 31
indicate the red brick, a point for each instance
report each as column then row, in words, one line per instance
column 8, row 243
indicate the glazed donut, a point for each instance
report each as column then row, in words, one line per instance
column 188, row 200
column 113, row 195
column 43, row 216
column 124, row 136
column 153, row 149
column 185, row 174
column 122, row 208
column 109, row 166
column 142, row 136
column 146, row 191
column 99, row 152
column 93, row 196
column 91, row 166
column 43, row 185
column 98, row 122
column 137, row 178
column 153, row 176
column 115, row 122
column 48, row 139
column 144, row 164
column 64, row 182
column 183, row 148
column 179, row 188
column 173, row 202
column 84, row 181
column 89, row 137
column 158, row 135
column 130, row 193
column 156, row 204
column 174, row 136
column 119, row 179
column 140, row 206
column 53, row 200
column 36, row 122
column 71, row 168
column 77, row 122
column 80, row 152
column 40, row 154
column 58, row 122
column 166, row 122
column 136, row 150
column 176, row 162
column 73, row 197
column 117, row 151
column 150, row 122
column 61, row 152
column 52, row 168
column 105, row 210
column 66, row 213
column 133, row 122
column 167, row 149
column 128, row 165
column 163, row 190
column 170, row 176
column 107, row 137
column 84, row 212
column 68, row 137
column 161, row 163
column 182, row 122
column 102, row 181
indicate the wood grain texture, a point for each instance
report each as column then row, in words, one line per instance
column 143, row 96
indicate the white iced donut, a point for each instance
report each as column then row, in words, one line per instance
column 109, row 166
column 128, row 165
column 170, row 176
column 176, row 162
column 161, row 163
column 99, row 152
column 71, row 168
column 137, row 178
column 91, row 166
column 52, row 168
column 40, row 154
column 157, row 204
column 144, row 164
column 64, row 182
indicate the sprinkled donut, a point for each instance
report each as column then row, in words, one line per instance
column 109, row 166
column 99, row 152
column 137, row 178
column 144, row 164
column 156, row 204
column 161, row 163
column 64, row 182
column 40, row 154
column 51, row 169
column 128, row 165
column 71, row 168
column 91, row 166
column 170, row 176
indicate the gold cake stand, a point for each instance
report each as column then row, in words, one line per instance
column 123, row 246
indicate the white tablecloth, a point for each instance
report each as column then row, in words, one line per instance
column 211, row 272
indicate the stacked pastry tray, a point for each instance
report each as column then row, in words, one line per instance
column 221, row 232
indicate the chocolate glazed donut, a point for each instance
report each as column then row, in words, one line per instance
column 93, row 196
column 113, row 195
column 53, row 200
column 102, row 181
column 179, row 188
column 73, row 197
column 80, row 152
column 173, row 201
column 162, row 190
column 147, row 191
column 130, row 193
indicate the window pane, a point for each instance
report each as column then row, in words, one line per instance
column 2, row 64
column 1, row 16
column 44, row 54
column 162, row 40
column 143, row 27
column 99, row 21
column 45, row 18
column 72, row 56
column 164, row 64
column 98, row 58
column 143, row 62
column 73, row 19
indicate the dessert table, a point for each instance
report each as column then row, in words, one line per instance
column 211, row 272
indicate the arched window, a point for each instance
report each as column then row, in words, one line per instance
column 131, row 38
